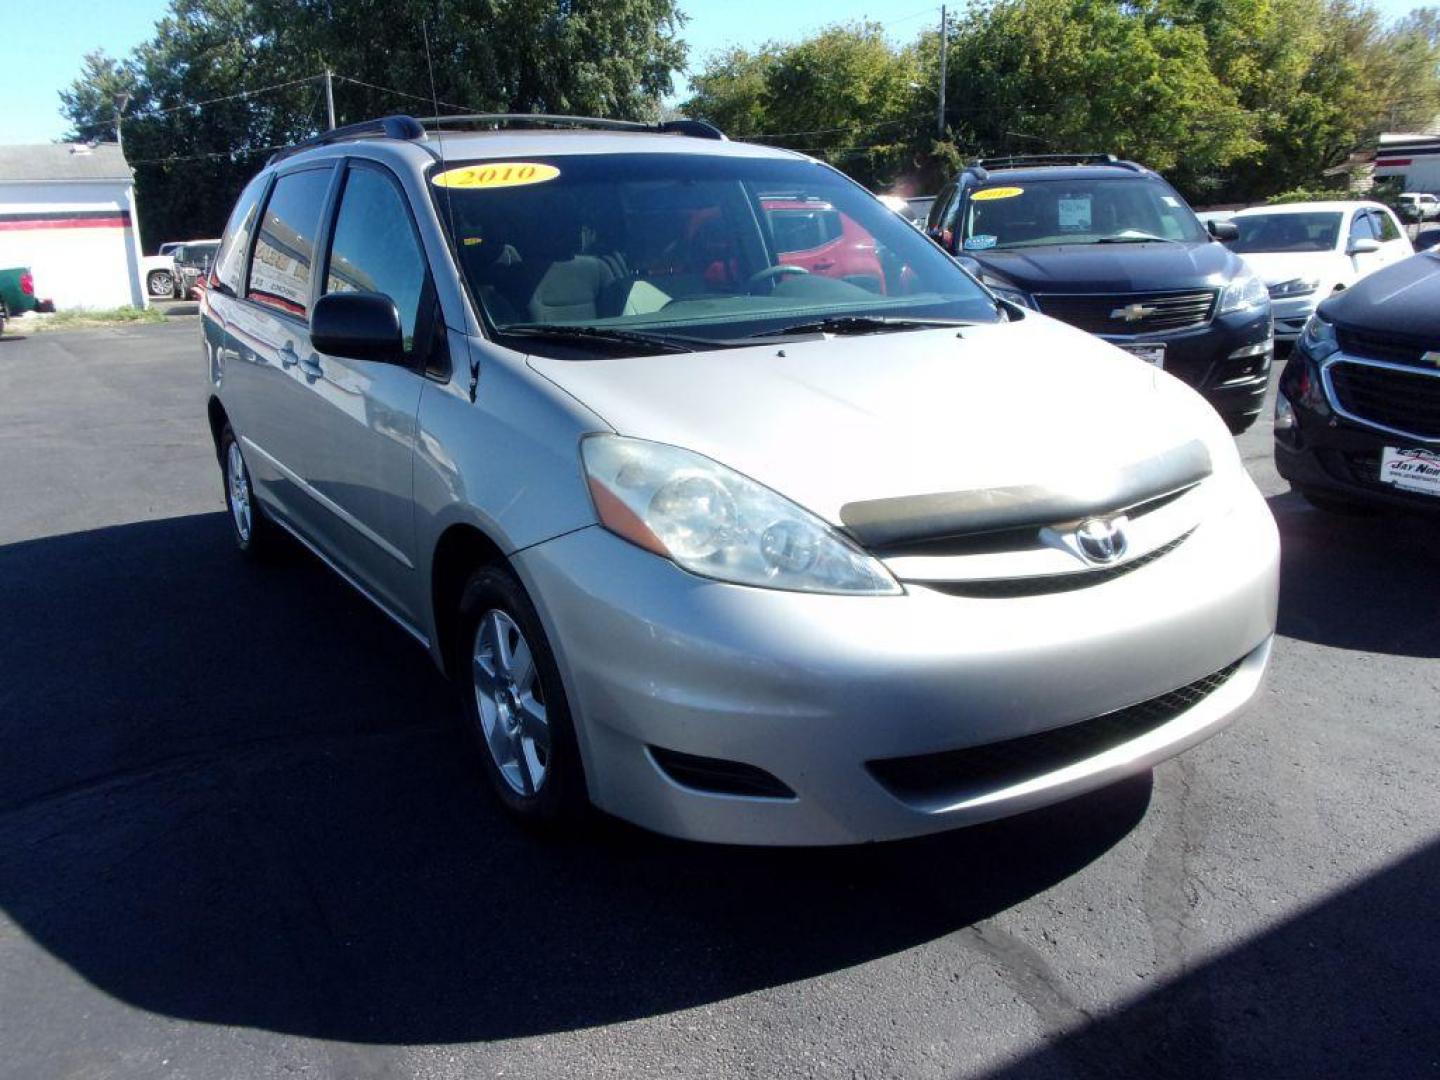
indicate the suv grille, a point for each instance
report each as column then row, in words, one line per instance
column 1130, row 313
column 1382, row 345
column 996, row 765
column 1407, row 401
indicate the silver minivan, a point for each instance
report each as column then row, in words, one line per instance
column 732, row 505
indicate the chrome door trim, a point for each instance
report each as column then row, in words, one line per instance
column 331, row 505
column 1346, row 358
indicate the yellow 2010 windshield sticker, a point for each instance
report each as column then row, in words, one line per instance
column 496, row 174
column 986, row 194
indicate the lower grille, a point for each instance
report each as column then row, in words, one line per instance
column 1138, row 313
column 718, row 776
column 975, row 769
column 1408, row 401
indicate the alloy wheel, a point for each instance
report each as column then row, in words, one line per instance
column 238, row 488
column 511, row 703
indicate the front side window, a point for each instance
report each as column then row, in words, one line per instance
column 1362, row 228
column 374, row 247
column 1085, row 210
column 230, row 263
column 712, row 247
column 1386, row 224
column 285, row 247
column 1318, row 231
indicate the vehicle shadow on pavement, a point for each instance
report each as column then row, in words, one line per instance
column 1361, row 583
column 237, row 795
column 1343, row 989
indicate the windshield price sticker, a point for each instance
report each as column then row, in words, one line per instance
column 1411, row 469
column 987, row 194
column 496, row 174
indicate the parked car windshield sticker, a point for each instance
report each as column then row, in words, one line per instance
column 986, row 194
column 979, row 242
column 496, row 174
column 1073, row 213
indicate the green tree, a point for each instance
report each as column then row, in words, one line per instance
column 595, row 57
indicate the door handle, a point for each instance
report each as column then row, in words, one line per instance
column 288, row 356
column 824, row 265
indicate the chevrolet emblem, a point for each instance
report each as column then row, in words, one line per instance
column 1132, row 312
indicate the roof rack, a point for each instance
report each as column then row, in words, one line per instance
column 1024, row 160
column 697, row 129
column 398, row 126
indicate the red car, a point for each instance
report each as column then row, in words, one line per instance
column 819, row 238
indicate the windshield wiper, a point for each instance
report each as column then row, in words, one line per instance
column 603, row 335
column 859, row 324
column 1146, row 239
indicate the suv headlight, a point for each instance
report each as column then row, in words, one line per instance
column 712, row 521
column 1294, row 287
column 1318, row 338
column 1243, row 293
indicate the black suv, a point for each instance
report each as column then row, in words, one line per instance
column 1357, row 418
column 1110, row 247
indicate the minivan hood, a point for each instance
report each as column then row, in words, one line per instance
column 832, row 421
column 1112, row 268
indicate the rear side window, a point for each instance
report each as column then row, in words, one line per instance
column 285, row 248
column 230, row 264
column 374, row 246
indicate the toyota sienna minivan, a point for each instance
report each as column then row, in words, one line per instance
column 722, row 537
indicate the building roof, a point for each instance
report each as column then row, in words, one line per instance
column 62, row 162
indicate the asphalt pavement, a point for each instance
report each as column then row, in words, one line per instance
column 241, row 837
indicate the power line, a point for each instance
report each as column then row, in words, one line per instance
column 403, row 94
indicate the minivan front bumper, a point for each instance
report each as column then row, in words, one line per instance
column 857, row 706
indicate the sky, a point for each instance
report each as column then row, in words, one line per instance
column 35, row 66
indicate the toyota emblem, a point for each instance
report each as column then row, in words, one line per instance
column 1101, row 540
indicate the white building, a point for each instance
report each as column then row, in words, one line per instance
column 68, row 213
column 1414, row 157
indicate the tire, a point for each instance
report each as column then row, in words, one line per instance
column 160, row 283
column 1239, row 424
column 1338, row 505
column 4, row 316
column 516, row 714
column 255, row 535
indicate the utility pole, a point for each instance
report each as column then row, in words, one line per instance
column 330, row 98
column 122, row 102
column 944, row 49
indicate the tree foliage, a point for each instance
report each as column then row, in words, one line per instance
column 593, row 57
column 1234, row 99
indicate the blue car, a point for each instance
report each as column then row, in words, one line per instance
column 1110, row 247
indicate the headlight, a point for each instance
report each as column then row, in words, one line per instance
column 712, row 521
column 1318, row 337
column 1243, row 293
column 1294, row 287
column 1006, row 292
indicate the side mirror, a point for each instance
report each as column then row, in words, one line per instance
column 1362, row 247
column 359, row 326
column 1223, row 230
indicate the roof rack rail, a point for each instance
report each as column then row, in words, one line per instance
column 1023, row 160
column 398, row 126
column 698, row 129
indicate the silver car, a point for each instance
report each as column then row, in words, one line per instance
column 740, row 531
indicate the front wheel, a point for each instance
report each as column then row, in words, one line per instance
column 514, row 703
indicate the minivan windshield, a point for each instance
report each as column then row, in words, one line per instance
column 699, row 250
column 1319, row 231
column 1080, row 210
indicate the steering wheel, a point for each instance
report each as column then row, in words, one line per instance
column 770, row 273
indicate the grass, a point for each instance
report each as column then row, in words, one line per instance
column 88, row 318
